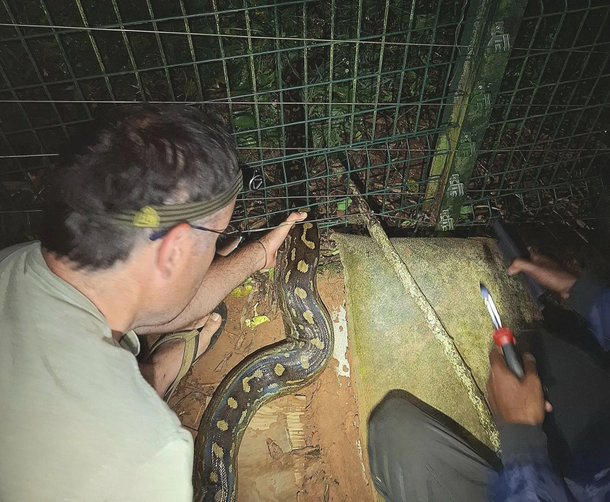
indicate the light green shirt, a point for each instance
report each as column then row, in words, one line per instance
column 77, row 420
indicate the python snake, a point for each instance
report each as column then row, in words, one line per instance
column 269, row 373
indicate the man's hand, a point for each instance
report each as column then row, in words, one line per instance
column 513, row 400
column 274, row 239
column 545, row 272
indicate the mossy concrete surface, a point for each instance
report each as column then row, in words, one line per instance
column 392, row 346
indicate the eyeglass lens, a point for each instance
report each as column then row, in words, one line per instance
column 228, row 241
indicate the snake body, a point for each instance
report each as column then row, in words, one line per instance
column 269, row 373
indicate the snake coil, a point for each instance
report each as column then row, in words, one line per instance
column 269, row 373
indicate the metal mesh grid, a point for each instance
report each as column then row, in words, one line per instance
column 546, row 147
column 392, row 172
column 297, row 80
column 313, row 91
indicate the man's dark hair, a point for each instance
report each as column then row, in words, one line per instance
column 137, row 156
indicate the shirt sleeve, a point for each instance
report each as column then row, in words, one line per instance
column 527, row 473
column 591, row 298
column 166, row 477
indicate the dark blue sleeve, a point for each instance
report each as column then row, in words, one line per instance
column 531, row 482
column 599, row 317
column 591, row 299
column 527, row 474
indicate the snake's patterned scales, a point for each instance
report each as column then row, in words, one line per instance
column 269, row 373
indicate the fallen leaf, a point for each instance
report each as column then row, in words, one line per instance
column 342, row 205
column 256, row 321
column 240, row 291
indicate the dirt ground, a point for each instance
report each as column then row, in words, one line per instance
column 305, row 447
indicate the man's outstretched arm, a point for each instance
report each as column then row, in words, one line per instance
column 587, row 295
column 226, row 273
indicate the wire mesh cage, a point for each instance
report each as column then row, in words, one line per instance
column 546, row 147
column 316, row 92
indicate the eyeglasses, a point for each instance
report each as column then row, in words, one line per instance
column 229, row 238
column 227, row 242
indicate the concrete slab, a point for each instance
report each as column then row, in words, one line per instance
column 391, row 343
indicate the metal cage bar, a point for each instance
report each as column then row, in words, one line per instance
column 372, row 81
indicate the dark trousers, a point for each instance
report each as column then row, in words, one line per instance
column 418, row 454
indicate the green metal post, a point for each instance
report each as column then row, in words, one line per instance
column 491, row 27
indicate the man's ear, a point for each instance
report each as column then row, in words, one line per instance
column 173, row 249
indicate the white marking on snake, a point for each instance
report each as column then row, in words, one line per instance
column 213, row 477
column 308, row 315
column 222, row 425
column 287, row 276
column 217, row 450
column 232, row 403
column 293, row 254
column 302, row 267
column 309, row 244
column 316, row 342
column 305, row 362
column 300, row 292
column 279, row 369
column 246, row 381
column 246, row 384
